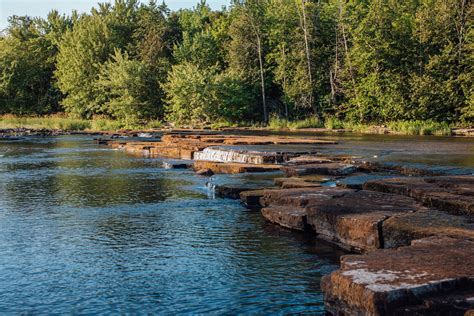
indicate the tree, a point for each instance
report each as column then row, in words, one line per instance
column 81, row 53
column 246, row 49
column 203, row 95
column 123, row 84
column 26, row 68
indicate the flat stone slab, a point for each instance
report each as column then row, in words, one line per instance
column 357, row 181
column 453, row 194
column 232, row 191
column 295, row 182
column 333, row 168
column 354, row 220
column 433, row 276
column 292, row 218
column 251, row 199
column 300, row 197
column 401, row 230
column 234, row 168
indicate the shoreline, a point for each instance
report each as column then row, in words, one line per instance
column 371, row 130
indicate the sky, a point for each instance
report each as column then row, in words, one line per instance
column 42, row 7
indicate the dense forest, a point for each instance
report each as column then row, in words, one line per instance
column 369, row 61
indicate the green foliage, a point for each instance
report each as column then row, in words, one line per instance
column 353, row 63
column 420, row 128
column 205, row 95
column 81, row 54
column 276, row 122
column 26, row 68
column 124, row 86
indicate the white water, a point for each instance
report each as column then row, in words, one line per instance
column 220, row 155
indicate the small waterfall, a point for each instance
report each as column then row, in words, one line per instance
column 222, row 155
column 211, row 188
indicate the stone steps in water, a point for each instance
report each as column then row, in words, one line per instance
column 354, row 221
column 433, row 276
column 252, row 199
column 295, row 182
column 333, row 168
column 454, row 194
column 293, row 218
column 234, row 168
column 402, row 229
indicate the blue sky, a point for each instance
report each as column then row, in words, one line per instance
column 42, row 7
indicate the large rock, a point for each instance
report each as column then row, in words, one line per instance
column 232, row 191
column 333, row 168
column 295, row 182
column 293, row 218
column 433, row 276
column 354, row 220
column 401, row 229
column 454, row 194
column 252, row 198
column 301, row 197
column 234, row 168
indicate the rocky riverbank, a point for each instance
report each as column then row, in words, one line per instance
column 413, row 228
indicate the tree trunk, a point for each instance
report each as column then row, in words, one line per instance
column 262, row 78
column 307, row 51
column 351, row 72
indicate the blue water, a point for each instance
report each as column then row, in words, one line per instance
column 85, row 229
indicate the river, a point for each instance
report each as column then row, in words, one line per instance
column 85, row 229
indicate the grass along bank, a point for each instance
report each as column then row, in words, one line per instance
column 99, row 123
column 65, row 123
column 415, row 127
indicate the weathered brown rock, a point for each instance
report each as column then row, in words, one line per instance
column 295, row 182
column 251, row 199
column 433, row 276
column 454, row 194
column 233, row 168
column 354, row 220
column 204, row 172
column 334, row 168
column 300, row 197
column 232, row 191
column 176, row 165
column 293, row 218
column 401, row 229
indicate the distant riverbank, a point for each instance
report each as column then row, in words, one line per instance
column 57, row 124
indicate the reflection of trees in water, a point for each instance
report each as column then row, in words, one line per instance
column 82, row 177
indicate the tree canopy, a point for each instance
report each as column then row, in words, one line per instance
column 368, row 61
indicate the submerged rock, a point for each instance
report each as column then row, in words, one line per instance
column 433, row 276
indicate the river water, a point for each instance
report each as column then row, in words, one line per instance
column 85, row 229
